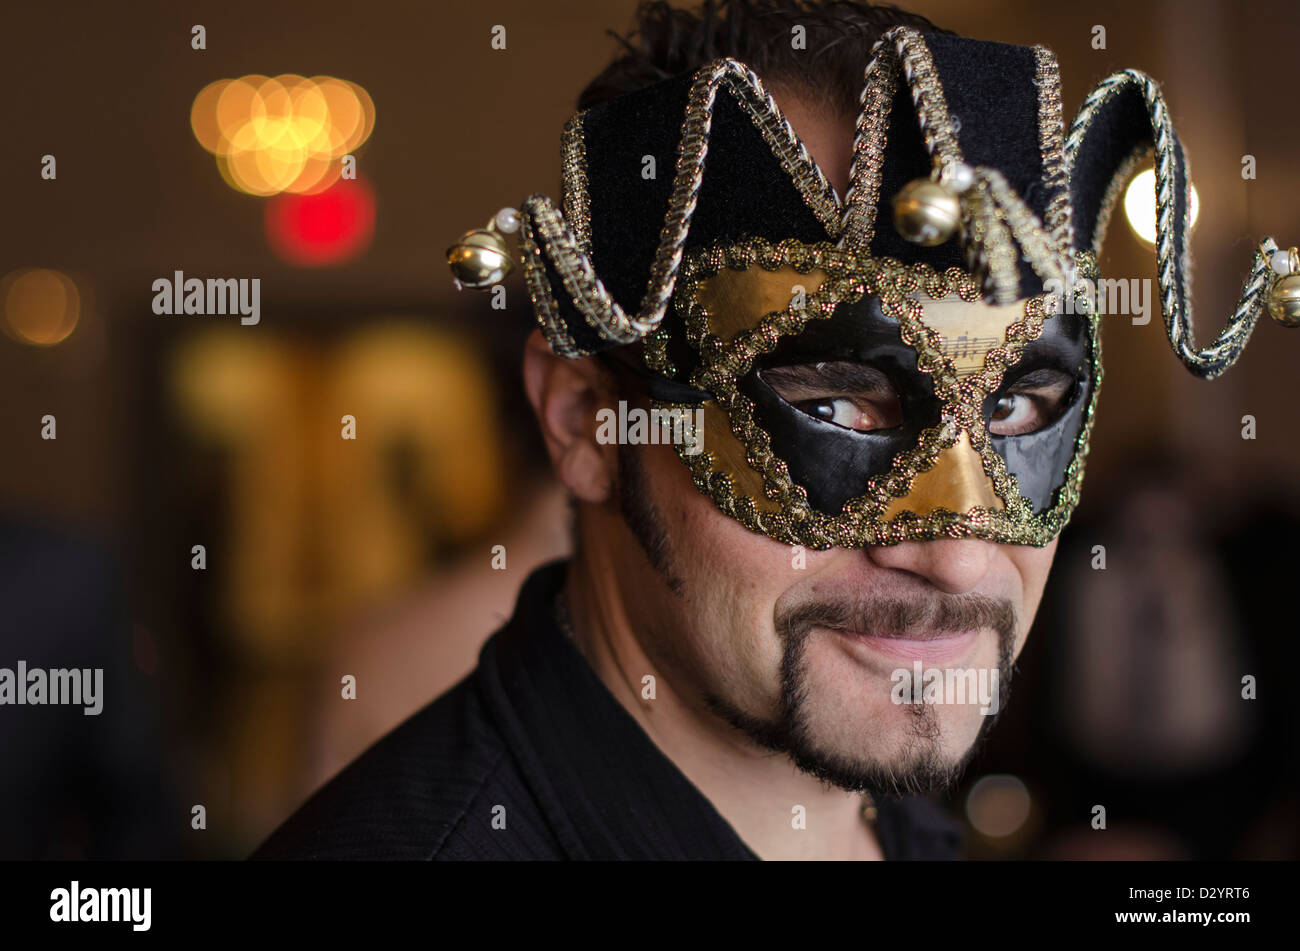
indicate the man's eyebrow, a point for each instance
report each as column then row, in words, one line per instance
column 843, row 375
column 1053, row 351
column 1041, row 377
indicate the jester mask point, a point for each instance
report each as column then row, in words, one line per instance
column 917, row 359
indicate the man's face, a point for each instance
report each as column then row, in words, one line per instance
column 802, row 650
column 808, row 652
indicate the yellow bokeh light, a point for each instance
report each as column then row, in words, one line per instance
column 998, row 805
column 39, row 306
column 237, row 107
column 1140, row 206
column 318, row 173
column 203, row 115
column 279, row 134
column 367, row 107
column 346, row 115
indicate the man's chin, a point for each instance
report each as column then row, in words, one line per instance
column 901, row 761
column 846, row 723
column 908, row 757
column 839, row 718
column 900, row 750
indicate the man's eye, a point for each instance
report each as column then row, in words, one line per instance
column 1015, row 413
column 846, row 412
column 854, row 395
column 1030, row 408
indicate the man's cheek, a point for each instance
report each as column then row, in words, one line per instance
column 1033, row 565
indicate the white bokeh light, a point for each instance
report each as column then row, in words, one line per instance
column 1140, row 205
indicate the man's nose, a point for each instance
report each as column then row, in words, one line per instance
column 954, row 566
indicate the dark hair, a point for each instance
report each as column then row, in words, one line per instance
column 839, row 34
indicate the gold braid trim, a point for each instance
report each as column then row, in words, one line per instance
column 861, row 522
column 565, row 241
column 577, row 210
column 1173, row 262
column 869, row 141
column 1051, row 142
column 999, row 224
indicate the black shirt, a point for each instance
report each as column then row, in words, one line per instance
column 532, row 740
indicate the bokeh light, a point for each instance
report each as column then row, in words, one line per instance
column 1140, row 205
column 39, row 306
column 998, row 805
column 279, row 134
column 315, row 230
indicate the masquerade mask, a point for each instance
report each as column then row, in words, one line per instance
column 920, row 359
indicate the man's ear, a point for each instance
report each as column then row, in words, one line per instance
column 566, row 394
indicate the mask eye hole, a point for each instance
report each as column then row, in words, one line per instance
column 847, row 394
column 1032, row 402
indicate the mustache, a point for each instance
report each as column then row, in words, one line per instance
column 931, row 614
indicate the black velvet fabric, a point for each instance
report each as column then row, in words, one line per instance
column 627, row 210
column 990, row 91
column 1119, row 126
column 745, row 192
column 905, row 160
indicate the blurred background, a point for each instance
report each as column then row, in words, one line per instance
column 323, row 557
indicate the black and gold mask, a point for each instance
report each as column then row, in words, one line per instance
column 914, row 361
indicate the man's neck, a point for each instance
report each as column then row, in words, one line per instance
column 778, row 811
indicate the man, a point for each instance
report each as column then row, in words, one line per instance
column 798, row 593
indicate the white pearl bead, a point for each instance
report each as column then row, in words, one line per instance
column 1281, row 261
column 960, row 176
column 508, row 220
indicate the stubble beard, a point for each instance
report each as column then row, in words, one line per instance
column 923, row 765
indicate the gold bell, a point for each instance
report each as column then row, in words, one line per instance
column 926, row 212
column 481, row 257
column 1283, row 298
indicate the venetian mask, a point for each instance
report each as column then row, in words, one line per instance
column 917, row 359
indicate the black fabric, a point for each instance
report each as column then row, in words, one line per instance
column 905, row 160
column 534, row 730
column 1119, row 127
column 745, row 192
column 627, row 210
column 992, row 94
column 990, row 91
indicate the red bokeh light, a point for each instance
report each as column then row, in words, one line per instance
column 319, row 230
